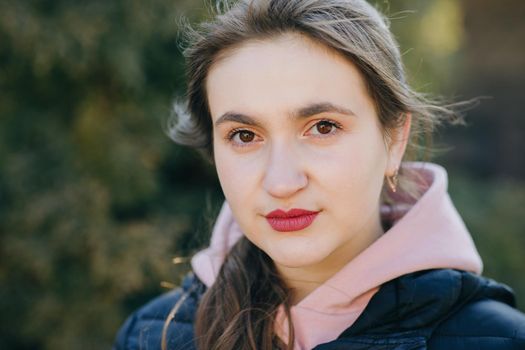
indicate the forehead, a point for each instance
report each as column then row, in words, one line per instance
column 274, row 76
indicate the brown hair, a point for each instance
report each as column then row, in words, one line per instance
column 238, row 311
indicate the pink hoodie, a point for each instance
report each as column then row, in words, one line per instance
column 425, row 235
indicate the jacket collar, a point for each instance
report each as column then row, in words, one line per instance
column 404, row 313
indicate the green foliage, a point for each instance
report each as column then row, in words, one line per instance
column 94, row 198
column 431, row 35
column 493, row 212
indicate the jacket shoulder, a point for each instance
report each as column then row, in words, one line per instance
column 143, row 328
column 482, row 324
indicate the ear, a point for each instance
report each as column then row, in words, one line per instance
column 398, row 143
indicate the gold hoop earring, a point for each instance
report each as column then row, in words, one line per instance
column 392, row 181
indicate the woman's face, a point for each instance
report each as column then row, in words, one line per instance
column 294, row 127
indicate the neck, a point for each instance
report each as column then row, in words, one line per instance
column 305, row 279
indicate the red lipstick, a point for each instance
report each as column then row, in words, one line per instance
column 292, row 220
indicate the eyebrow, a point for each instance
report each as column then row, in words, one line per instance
column 301, row 113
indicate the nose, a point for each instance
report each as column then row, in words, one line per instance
column 284, row 174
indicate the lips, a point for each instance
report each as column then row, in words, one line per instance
column 292, row 220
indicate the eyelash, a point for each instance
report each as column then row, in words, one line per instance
column 236, row 131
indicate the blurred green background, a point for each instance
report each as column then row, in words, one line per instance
column 95, row 201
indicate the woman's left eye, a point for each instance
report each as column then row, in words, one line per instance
column 325, row 128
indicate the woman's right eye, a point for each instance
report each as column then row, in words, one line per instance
column 241, row 137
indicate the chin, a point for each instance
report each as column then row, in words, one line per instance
column 297, row 259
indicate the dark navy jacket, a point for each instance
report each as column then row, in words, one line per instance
column 439, row 309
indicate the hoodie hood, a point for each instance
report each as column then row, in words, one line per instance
column 426, row 234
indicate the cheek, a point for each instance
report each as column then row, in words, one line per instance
column 356, row 159
column 238, row 180
column 353, row 172
column 236, row 176
column 227, row 173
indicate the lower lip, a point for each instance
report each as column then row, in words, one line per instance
column 295, row 223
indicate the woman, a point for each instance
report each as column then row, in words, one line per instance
column 329, row 237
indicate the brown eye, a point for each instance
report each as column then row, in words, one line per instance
column 324, row 127
column 246, row 136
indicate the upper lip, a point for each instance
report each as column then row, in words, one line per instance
column 294, row 212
